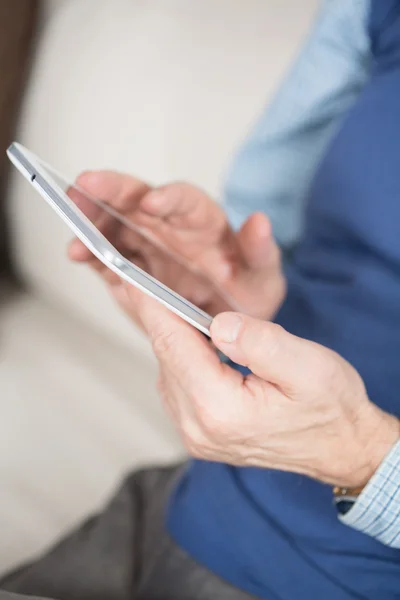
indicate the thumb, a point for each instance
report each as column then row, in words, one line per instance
column 256, row 242
column 270, row 352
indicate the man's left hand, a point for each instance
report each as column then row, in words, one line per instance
column 303, row 409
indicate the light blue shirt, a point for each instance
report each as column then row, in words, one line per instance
column 273, row 171
column 377, row 510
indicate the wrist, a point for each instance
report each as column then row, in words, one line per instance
column 378, row 437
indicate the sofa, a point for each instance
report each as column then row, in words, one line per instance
column 165, row 89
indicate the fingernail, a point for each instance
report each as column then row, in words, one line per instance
column 226, row 327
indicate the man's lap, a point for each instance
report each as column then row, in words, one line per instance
column 123, row 553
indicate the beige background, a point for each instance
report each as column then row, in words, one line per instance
column 165, row 89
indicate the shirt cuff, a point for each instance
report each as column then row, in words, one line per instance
column 377, row 510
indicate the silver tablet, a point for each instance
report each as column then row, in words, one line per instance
column 54, row 189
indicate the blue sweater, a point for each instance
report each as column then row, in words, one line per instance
column 276, row 534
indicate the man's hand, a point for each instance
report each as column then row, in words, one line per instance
column 216, row 268
column 304, row 409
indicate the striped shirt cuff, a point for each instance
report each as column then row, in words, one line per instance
column 377, row 510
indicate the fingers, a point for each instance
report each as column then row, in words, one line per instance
column 256, row 242
column 294, row 364
column 178, row 200
column 83, row 201
column 106, row 224
column 119, row 190
column 188, row 211
column 179, row 347
column 122, row 192
column 78, row 252
column 120, row 293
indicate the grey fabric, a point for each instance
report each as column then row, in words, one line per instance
column 123, row 553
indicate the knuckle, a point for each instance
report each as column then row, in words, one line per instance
column 214, row 423
column 174, row 191
column 271, row 336
column 163, row 342
column 199, row 447
column 327, row 371
column 192, row 443
column 257, row 390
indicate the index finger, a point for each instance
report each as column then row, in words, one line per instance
column 119, row 190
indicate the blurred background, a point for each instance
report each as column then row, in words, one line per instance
column 164, row 89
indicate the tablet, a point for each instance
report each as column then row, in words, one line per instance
column 56, row 190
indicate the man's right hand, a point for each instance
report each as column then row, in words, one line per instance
column 217, row 269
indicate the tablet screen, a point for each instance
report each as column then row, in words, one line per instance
column 124, row 242
column 141, row 246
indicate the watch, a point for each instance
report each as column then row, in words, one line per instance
column 345, row 498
